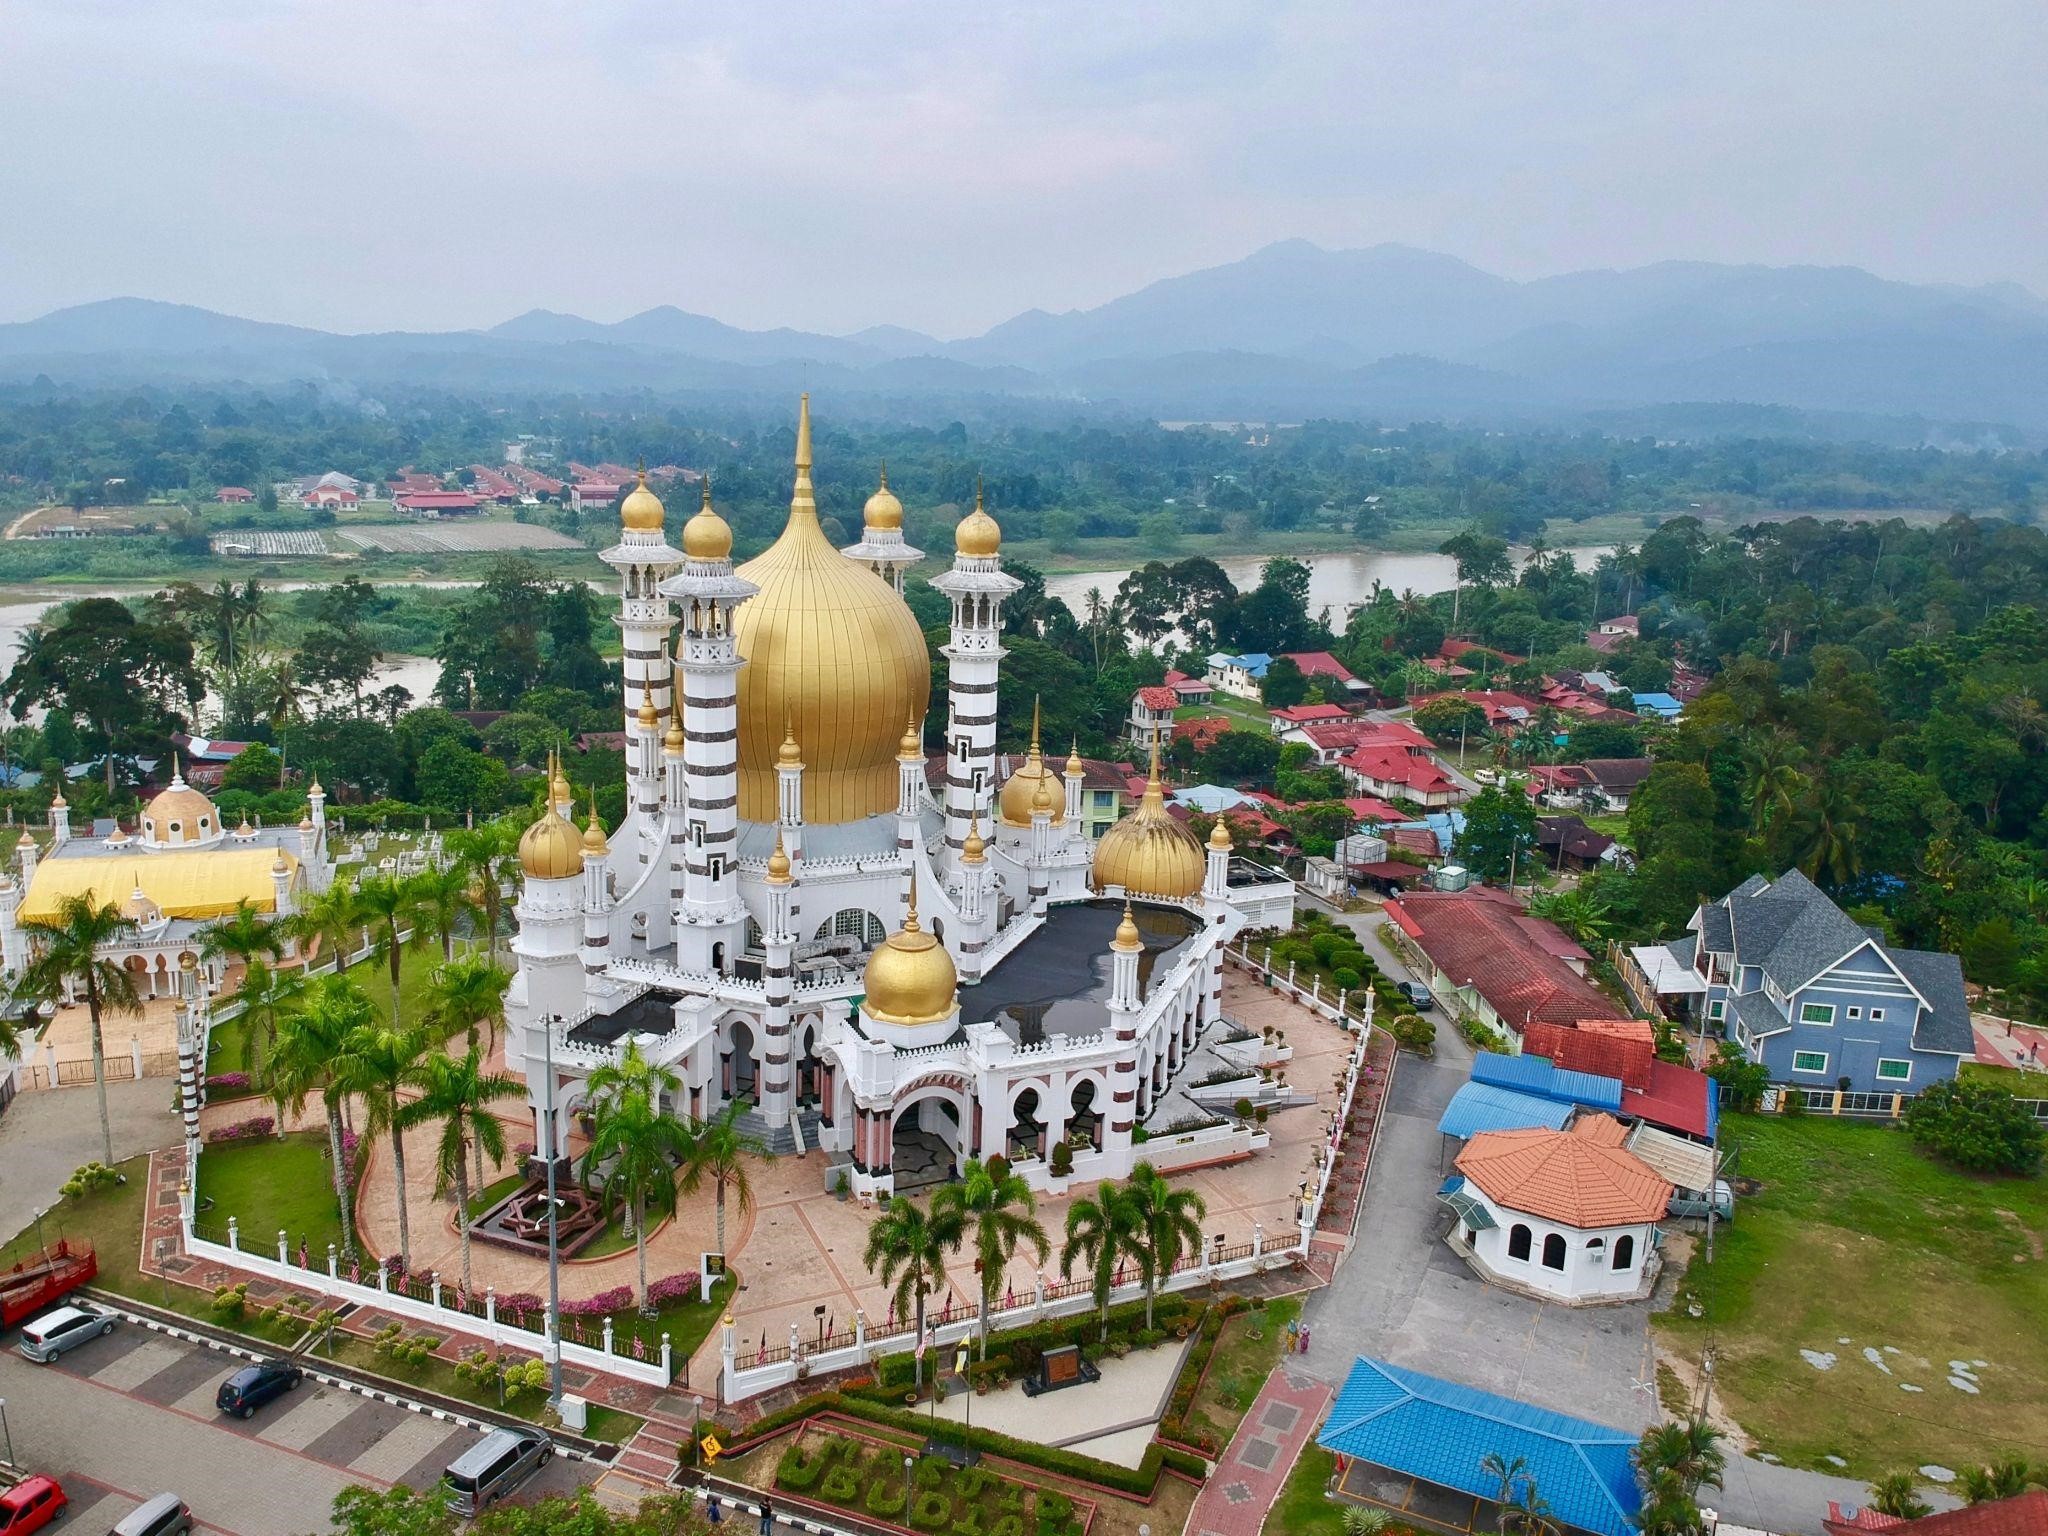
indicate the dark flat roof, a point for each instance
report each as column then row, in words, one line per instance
column 1056, row 982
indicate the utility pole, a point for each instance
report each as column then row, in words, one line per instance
column 554, row 1260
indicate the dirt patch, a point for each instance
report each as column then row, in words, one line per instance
column 2033, row 1239
column 1687, row 1374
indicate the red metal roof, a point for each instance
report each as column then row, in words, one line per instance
column 1370, row 808
column 1320, row 664
column 1676, row 1099
column 2024, row 1515
column 1304, row 714
column 439, row 501
column 1516, row 962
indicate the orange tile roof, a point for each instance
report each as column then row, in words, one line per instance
column 1576, row 1178
column 1601, row 1130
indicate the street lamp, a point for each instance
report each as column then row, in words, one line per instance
column 554, row 1258
column 906, row 1489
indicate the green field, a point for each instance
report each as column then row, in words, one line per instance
column 268, row 1184
column 1855, row 1241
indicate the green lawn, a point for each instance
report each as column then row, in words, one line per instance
column 1302, row 1510
column 267, row 1184
column 2025, row 1085
column 439, row 1376
column 1246, row 1352
column 110, row 1220
column 1243, row 713
column 1855, row 1241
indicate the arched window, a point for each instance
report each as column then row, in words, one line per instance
column 1596, row 1245
column 1518, row 1242
column 854, row 923
column 1625, row 1251
column 1553, row 1252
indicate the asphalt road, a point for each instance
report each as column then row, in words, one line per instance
column 127, row 1417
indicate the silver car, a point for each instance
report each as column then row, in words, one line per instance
column 48, row 1336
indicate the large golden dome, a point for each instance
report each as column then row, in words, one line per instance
column 833, row 656
column 1021, row 789
column 551, row 849
column 642, row 509
column 910, row 978
column 1148, row 853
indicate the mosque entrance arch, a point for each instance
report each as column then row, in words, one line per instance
column 739, row 1066
column 926, row 1139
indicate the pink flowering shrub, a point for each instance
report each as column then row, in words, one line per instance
column 244, row 1130
column 674, row 1288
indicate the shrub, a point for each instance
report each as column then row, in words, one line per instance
column 228, row 1082
column 617, row 1299
column 252, row 1129
column 230, row 1302
column 89, row 1177
column 932, row 1512
column 1347, row 980
column 1062, row 1159
column 1415, row 1033
column 1978, row 1126
column 798, row 1470
column 1743, row 1079
column 841, row 1484
column 884, row 1498
column 673, row 1288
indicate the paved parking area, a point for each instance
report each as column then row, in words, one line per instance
column 123, row 1418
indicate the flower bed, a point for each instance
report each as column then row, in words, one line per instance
column 1174, row 1428
column 1015, row 1351
column 228, row 1085
column 865, row 1477
column 244, row 1130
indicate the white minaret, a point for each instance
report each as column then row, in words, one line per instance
column 547, row 946
column 977, row 587
column 60, row 821
column 709, row 921
column 789, row 794
column 1124, row 1003
column 1216, row 910
column 1041, row 839
column 881, row 548
column 778, row 938
column 642, row 557
column 281, row 886
column 974, row 883
column 316, row 863
column 1077, row 772
column 909, row 798
column 597, row 895
column 13, row 941
column 26, row 849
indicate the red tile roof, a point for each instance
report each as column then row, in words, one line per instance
column 1306, row 714
column 1365, row 733
column 2024, row 1515
column 1368, row 808
column 1581, row 1178
column 234, row 493
column 1203, row 730
column 1584, row 1049
column 1516, row 962
column 1676, row 1099
column 1320, row 664
column 1391, row 765
column 1452, row 650
column 1159, row 699
column 438, row 501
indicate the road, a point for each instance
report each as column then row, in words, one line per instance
column 127, row 1417
column 46, row 1133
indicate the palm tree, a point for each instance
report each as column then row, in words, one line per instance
column 1000, row 1206
column 1510, row 1473
column 907, row 1248
column 466, row 993
column 266, row 997
column 388, row 906
column 311, row 1042
column 1898, row 1494
column 1101, row 1233
column 329, row 920
column 441, row 897
column 1168, row 1225
column 2003, row 1479
column 69, row 958
column 245, row 935
column 458, row 1093
column 1773, row 782
column 638, row 1147
column 378, row 1063
column 1826, row 829
column 482, row 853
column 719, row 1150
column 1689, row 1451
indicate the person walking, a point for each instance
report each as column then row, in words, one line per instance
column 767, row 1518
column 712, row 1512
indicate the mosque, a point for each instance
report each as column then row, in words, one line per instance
column 903, row 963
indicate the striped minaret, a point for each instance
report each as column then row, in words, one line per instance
column 188, row 1053
column 642, row 557
column 1124, row 1002
column 977, row 587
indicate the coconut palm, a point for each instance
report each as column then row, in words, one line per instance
column 1898, row 1494
column 1509, row 1474
column 484, row 854
column 441, row 897
column 719, row 1150
column 69, row 961
column 245, row 935
column 391, row 909
column 632, row 1073
column 266, row 996
column 1168, row 1224
column 1101, row 1233
column 311, row 1043
column 907, row 1248
column 379, row 1063
column 466, row 993
column 1001, row 1210
column 1690, row 1451
column 638, row 1148
column 1827, row 828
column 1774, row 783
column 457, row 1093
column 2003, row 1479
column 329, row 920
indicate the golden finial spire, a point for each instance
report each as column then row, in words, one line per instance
column 789, row 755
column 1155, row 792
column 803, row 501
column 803, row 431
column 885, row 474
column 910, row 912
column 1074, row 763
column 643, row 473
column 977, row 491
column 1127, row 938
column 705, row 500
column 1035, row 699
column 910, row 749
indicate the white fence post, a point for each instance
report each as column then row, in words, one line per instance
column 235, row 1234
column 607, row 1335
column 437, row 1290
column 668, row 1358
column 333, row 1263
column 1258, row 1239
column 491, row 1305
column 284, row 1252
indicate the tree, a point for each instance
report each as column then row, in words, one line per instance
column 636, row 1145
column 70, row 961
column 390, row 908
column 1242, row 757
column 1897, row 1494
column 907, row 1249
column 328, row 921
column 379, row 1063
column 1102, row 1231
column 266, row 996
column 457, row 1094
column 244, row 936
column 2005, row 1478
column 719, row 1151
column 1515, row 1483
column 1499, row 833
column 1284, row 684
column 1167, row 1225
column 1450, row 719
column 999, row 1206
column 255, row 768
column 484, row 853
column 1744, row 1080
column 312, row 1041
column 1978, row 1126
column 1689, row 1451
column 466, row 993
column 440, row 898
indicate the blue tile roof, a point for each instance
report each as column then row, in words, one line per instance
column 1439, row 1432
column 1539, row 1076
column 1480, row 1107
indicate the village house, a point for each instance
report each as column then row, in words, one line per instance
column 1293, row 716
column 234, row 495
column 1568, row 843
column 1616, row 778
column 1190, row 690
column 1610, row 635
column 1483, row 954
column 1151, row 720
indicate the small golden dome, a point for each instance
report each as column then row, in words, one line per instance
column 594, row 844
column 972, row 849
column 550, row 848
column 188, row 961
column 911, row 748
column 910, row 978
column 778, row 862
column 138, row 908
column 707, row 536
column 1127, row 938
column 642, row 509
column 24, row 841
column 245, row 830
column 305, row 823
column 650, row 717
column 977, row 533
column 1075, row 767
column 59, row 803
column 883, row 509
column 316, row 789
column 1042, row 797
column 278, row 865
column 673, row 741
column 789, row 754
column 1148, row 853
column 1020, row 790
column 1219, row 836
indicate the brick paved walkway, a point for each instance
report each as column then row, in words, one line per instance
column 1246, row 1484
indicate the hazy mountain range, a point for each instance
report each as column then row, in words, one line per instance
column 1291, row 331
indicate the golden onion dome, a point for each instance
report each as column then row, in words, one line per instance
column 778, row 862
column 910, row 978
column 1020, row 790
column 59, row 803
column 1219, row 836
column 594, row 844
column 642, row 509
column 305, row 823
column 911, row 748
column 672, row 742
column 707, row 536
column 278, row 865
column 1148, row 853
column 138, row 908
column 550, row 848
column 1075, row 767
column 1042, row 797
column 650, row 717
column 789, row 754
column 977, row 533
column 25, row 840
column 972, row 849
column 1127, row 937
column 834, row 658
column 883, row 509
column 245, row 830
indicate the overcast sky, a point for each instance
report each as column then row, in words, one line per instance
column 370, row 164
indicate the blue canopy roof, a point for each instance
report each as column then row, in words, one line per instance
column 1439, row 1432
column 1480, row 1107
column 1540, row 1076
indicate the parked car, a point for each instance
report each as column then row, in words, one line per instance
column 494, row 1466
column 254, row 1385
column 31, row 1504
column 1693, row 1202
column 50, row 1335
column 164, row 1515
column 1417, row 994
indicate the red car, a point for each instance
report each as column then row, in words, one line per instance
column 30, row 1505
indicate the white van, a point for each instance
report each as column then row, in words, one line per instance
column 494, row 1466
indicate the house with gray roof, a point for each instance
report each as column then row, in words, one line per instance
column 1821, row 1000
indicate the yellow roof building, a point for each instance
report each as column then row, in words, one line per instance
column 200, row 884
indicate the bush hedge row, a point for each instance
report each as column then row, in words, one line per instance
column 1016, row 1350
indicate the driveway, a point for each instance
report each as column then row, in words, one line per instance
column 47, row 1132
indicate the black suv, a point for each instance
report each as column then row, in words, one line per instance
column 254, row 1385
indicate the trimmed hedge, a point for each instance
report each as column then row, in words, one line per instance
column 1174, row 1425
column 1016, row 1350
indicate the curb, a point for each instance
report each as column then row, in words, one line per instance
column 122, row 1307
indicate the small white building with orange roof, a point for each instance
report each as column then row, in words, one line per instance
column 1568, row 1215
